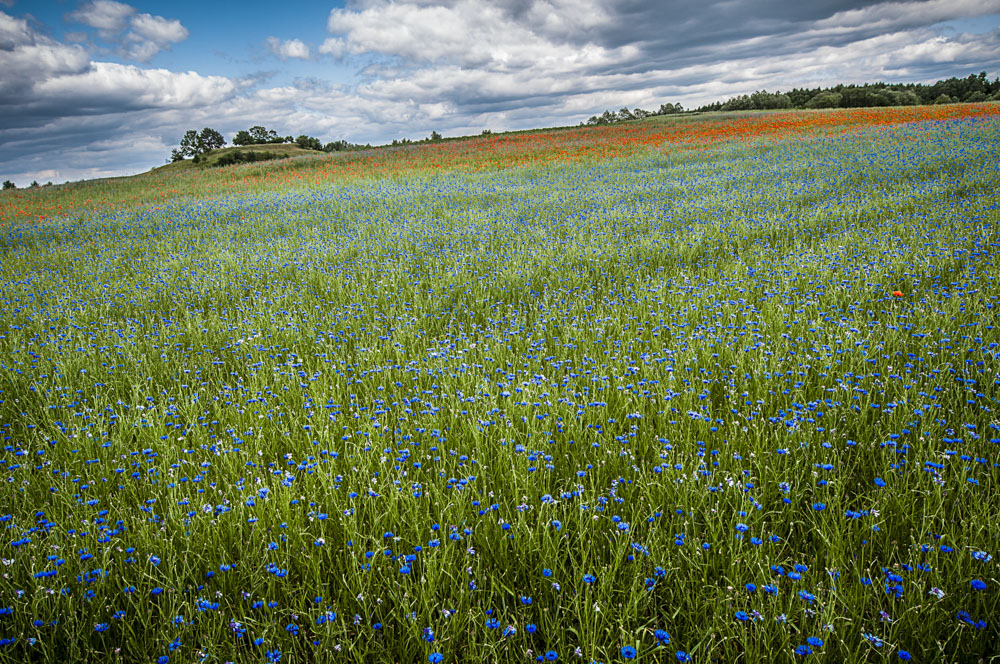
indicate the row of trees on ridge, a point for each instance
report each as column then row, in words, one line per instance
column 972, row 89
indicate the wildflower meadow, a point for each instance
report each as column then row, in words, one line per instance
column 718, row 388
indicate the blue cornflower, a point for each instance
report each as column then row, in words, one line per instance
column 551, row 655
column 978, row 585
column 683, row 656
column 493, row 623
column 742, row 616
column 628, row 652
column 815, row 642
column 904, row 655
column 530, row 628
column 662, row 637
column 435, row 658
column 589, row 578
column 803, row 650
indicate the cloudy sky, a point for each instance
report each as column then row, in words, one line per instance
column 98, row 88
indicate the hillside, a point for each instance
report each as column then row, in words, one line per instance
column 211, row 159
column 484, row 153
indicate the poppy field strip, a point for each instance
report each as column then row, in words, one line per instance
column 583, row 397
column 481, row 154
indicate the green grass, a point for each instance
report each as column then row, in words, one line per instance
column 502, row 369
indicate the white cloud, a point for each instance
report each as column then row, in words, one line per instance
column 474, row 33
column 332, row 46
column 14, row 31
column 130, row 87
column 291, row 48
column 27, row 56
column 895, row 15
column 146, row 35
column 158, row 29
column 107, row 16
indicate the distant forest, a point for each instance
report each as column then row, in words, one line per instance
column 974, row 88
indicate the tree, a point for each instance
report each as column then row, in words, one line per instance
column 308, row 143
column 34, row 184
column 943, row 99
column 7, row 184
column 189, row 144
column 209, row 140
column 260, row 135
column 338, row 146
column 194, row 144
column 825, row 99
column 435, row 136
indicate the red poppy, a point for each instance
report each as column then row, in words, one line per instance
column 897, row 293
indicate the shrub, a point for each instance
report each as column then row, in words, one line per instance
column 240, row 157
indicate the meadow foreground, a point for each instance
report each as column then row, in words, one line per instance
column 727, row 395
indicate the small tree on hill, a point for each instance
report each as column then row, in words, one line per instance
column 189, row 144
column 209, row 140
column 256, row 135
column 7, row 184
column 194, row 144
column 308, row 143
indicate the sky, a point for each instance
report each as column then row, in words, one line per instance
column 102, row 88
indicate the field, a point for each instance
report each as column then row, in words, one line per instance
column 708, row 389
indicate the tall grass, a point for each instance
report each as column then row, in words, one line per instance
column 667, row 401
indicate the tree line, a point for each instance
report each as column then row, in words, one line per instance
column 972, row 89
column 196, row 145
column 7, row 184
